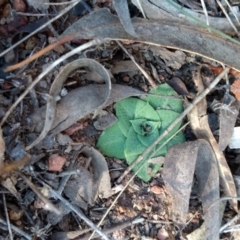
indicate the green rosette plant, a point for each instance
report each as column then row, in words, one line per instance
column 139, row 123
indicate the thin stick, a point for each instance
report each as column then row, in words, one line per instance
column 228, row 18
column 174, row 123
column 234, row 14
column 46, row 71
column 7, row 217
column 41, row 27
column 113, row 229
column 17, row 230
column 205, row 11
column 147, row 76
column 141, row 8
column 76, row 210
column 49, row 205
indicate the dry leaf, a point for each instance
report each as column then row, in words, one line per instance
column 228, row 116
column 200, row 126
column 235, row 89
column 55, row 90
column 178, row 177
column 84, row 187
column 103, row 24
column 79, row 103
column 160, row 10
column 121, row 7
column 10, row 186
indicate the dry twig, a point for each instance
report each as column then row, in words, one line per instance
column 76, row 210
column 7, row 217
column 147, row 76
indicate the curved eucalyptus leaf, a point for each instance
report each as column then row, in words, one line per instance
column 140, row 122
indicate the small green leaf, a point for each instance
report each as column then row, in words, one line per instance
column 148, row 140
column 112, row 141
column 168, row 117
column 133, row 108
column 143, row 127
column 133, row 146
column 174, row 104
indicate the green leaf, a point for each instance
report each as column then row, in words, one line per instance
column 148, row 140
column 174, row 104
column 111, row 142
column 133, row 108
column 143, row 127
column 168, row 117
column 133, row 146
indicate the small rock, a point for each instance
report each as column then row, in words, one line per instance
column 126, row 79
column 63, row 139
column 10, row 56
column 115, row 174
column 19, row 6
column 157, row 190
column 43, row 84
column 56, row 162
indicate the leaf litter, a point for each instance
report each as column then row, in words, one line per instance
column 71, row 108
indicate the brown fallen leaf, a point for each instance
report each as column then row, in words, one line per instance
column 178, row 177
column 84, row 186
column 199, row 122
column 79, row 103
column 50, row 113
column 229, row 111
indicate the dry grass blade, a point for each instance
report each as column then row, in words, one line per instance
column 17, row 230
column 228, row 18
column 147, row 76
column 76, row 210
column 234, row 14
column 48, row 204
column 7, row 217
column 205, row 11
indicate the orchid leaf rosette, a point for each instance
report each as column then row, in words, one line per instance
column 139, row 123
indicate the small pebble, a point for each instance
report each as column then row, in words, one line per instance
column 156, row 190
column 126, row 79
